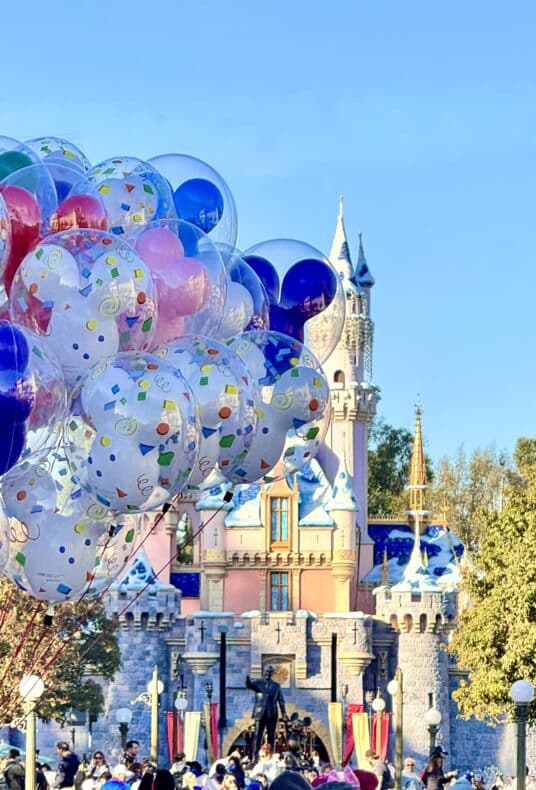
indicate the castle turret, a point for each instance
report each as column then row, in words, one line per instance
column 354, row 396
column 419, row 612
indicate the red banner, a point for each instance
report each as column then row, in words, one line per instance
column 214, row 728
column 348, row 746
column 384, row 733
column 175, row 737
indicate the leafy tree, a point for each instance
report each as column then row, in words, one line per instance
column 80, row 643
column 496, row 635
column 464, row 485
column 389, row 458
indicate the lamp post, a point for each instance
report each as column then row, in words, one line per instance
column 123, row 717
column 395, row 688
column 522, row 693
column 432, row 718
column 150, row 698
column 181, row 703
column 344, row 701
column 378, row 706
column 31, row 688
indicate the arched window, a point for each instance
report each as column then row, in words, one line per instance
column 339, row 378
column 408, row 622
column 423, row 622
column 184, row 534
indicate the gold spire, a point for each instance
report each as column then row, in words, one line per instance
column 417, row 474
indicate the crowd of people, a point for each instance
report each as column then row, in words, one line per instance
column 237, row 772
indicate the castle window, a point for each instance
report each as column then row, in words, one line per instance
column 279, row 520
column 279, row 598
column 339, row 378
column 184, row 537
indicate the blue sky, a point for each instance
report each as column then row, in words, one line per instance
column 422, row 114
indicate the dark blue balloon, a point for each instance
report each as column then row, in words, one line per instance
column 17, row 393
column 62, row 189
column 11, row 445
column 267, row 274
column 200, row 202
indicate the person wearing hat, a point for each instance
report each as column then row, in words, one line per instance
column 433, row 776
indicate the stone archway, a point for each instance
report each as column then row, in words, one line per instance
column 239, row 725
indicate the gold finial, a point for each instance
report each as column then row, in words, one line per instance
column 417, row 472
column 385, row 568
column 425, row 558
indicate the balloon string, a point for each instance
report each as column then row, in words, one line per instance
column 39, row 655
column 21, row 641
column 180, row 548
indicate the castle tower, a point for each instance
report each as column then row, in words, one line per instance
column 343, row 508
column 419, row 612
column 417, row 479
column 349, row 371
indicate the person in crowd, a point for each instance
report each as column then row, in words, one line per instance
column 267, row 763
column 95, row 771
column 433, row 777
column 179, row 768
column 215, row 781
column 131, row 752
column 263, row 780
column 134, row 778
column 14, row 771
column 50, row 774
column 410, row 779
column 163, row 780
column 234, row 767
column 118, row 780
column 40, row 778
column 146, row 782
column 229, row 782
column 67, row 766
column 311, row 774
column 380, row 769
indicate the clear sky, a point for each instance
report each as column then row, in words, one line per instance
column 422, row 114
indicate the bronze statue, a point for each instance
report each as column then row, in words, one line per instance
column 268, row 698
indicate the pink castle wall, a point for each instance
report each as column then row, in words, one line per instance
column 242, row 591
column 317, row 591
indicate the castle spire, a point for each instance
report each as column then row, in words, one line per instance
column 362, row 272
column 340, row 250
column 417, row 475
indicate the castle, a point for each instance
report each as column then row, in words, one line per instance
column 294, row 575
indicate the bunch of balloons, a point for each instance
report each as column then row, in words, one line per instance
column 141, row 354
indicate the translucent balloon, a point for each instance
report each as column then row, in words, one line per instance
column 14, row 155
column 293, row 406
column 305, row 292
column 56, row 150
column 5, row 234
column 31, row 199
column 225, row 396
column 200, row 194
column 89, row 294
column 134, row 193
column 189, row 276
column 61, row 543
column 246, row 305
column 32, row 395
column 133, row 432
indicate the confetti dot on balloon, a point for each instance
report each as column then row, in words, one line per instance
column 162, row 429
column 143, row 384
column 87, row 542
column 313, row 405
column 79, row 528
column 33, row 288
column 141, row 298
column 91, row 324
column 21, row 495
column 71, row 560
column 224, row 412
column 105, row 441
column 62, row 549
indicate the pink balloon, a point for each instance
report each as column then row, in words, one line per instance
column 160, row 248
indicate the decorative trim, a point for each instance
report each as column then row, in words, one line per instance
column 200, row 662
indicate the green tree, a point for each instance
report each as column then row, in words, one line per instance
column 79, row 645
column 465, row 485
column 496, row 635
column 389, row 458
